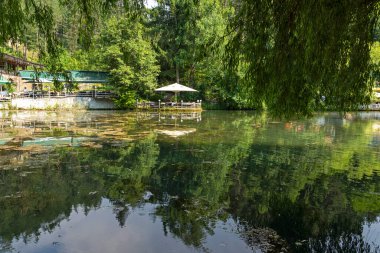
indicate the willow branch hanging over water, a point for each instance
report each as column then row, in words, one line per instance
column 16, row 15
column 300, row 55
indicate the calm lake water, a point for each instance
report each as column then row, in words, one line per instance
column 196, row 182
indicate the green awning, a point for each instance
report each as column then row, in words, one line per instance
column 3, row 80
column 78, row 76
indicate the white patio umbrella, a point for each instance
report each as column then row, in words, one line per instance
column 176, row 88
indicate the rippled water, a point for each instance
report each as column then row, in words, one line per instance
column 193, row 182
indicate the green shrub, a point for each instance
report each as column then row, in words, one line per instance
column 126, row 100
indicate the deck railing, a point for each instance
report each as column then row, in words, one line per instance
column 169, row 105
column 44, row 94
column 370, row 107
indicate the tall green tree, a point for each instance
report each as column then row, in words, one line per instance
column 126, row 52
column 191, row 39
column 173, row 23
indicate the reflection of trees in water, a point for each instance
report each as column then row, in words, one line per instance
column 123, row 173
column 124, row 170
column 238, row 168
column 305, row 194
column 189, row 219
column 41, row 198
column 349, row 243
column 192, row 178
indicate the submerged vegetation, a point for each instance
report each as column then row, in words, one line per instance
column 291, row 57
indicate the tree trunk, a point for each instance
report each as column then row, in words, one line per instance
column 177, row 72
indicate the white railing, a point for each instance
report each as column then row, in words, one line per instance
column 374, row 107
column 39, row 94
column 169, row 105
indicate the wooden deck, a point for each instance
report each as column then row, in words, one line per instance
column 370, row 107
column 195, row 106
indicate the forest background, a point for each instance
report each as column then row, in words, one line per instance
column 237, row 54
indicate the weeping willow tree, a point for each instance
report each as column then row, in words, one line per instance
column 23, row 19
column 300, row 55
column 17, row 16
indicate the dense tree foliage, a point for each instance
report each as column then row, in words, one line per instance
column 292, row 57
column 300, row 54
column 191, row 39
column 124, row 51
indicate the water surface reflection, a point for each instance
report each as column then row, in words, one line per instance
column 216, row 181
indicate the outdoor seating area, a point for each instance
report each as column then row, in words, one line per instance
column 169, row 105
column 161, row 105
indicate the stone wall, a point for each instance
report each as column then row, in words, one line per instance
column 78, row 103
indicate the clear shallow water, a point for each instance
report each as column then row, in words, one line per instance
column 210, row 182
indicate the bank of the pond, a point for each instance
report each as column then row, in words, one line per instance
column 80, row 103
column 91, row 103
column 77, row 103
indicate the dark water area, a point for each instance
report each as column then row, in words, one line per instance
column 191, row 182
